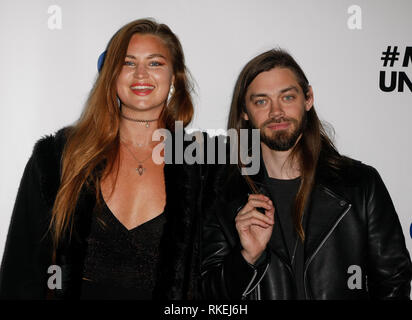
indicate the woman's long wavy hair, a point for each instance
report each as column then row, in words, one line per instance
column 92, row 145
column 314, row 146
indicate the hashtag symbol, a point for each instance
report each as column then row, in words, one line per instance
column 390, row 56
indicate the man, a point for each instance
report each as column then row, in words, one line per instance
column 312, row 224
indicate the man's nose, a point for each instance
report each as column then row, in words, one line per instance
column 276, row 110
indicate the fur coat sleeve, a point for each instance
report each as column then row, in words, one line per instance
column 27, row 254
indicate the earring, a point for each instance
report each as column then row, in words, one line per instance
column 171, row 92
column 119, row 103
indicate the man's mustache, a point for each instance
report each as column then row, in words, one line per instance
column 278, row 120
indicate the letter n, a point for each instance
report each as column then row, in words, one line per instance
column 402, row 79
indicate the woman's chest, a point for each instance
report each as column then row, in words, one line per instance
column 135, row 198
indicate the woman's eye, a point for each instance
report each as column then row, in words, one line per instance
column 129, row 63
column 155, row 63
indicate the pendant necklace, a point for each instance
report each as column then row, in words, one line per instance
column 140, row 169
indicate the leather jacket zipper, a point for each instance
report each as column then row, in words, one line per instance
column 318, row 248
column 247, row 291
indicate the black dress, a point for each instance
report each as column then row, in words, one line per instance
column 121, row 263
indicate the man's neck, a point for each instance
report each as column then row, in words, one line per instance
column 278, row 164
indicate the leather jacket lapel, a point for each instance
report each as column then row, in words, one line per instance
column 323, row 215
column 325, row 212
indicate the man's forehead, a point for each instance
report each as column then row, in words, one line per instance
column 274, row 80
column 275, row 76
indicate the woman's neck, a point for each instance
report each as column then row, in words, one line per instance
column 137, row 132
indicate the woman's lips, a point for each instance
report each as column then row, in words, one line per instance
column 142, row 89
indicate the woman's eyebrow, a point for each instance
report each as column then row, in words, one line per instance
column 153, row 55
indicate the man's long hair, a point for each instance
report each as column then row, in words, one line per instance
column 314, row 146
column 92, row 146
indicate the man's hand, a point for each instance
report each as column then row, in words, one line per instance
column 255, row 228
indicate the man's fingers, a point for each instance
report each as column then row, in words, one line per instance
column 245, row 224
column 271, row 212
column 255, row 215
column 252, row 204
column 255, row 196
column 261, row 202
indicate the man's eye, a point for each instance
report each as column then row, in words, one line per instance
column 288, row 98
column 260, row 102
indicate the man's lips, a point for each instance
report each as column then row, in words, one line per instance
column 142, row 89
column 278, row 126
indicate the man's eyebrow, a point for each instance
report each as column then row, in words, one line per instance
column 264, row 95
column 294, row 88
column 258, row 95
column 153, row 55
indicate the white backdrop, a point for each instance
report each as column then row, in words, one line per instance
column 49, row 51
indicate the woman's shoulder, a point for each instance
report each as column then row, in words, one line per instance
column 51, row 144
column 45, row 162
column 53, row 141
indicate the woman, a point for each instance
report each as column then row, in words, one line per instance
column 94, row 203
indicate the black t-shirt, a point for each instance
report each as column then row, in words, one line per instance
column 283, row 193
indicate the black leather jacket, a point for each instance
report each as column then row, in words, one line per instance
column 351, row 222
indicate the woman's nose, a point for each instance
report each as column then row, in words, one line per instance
column 140, row 71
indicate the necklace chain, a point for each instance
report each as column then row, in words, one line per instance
column 140, row 144
column 140, row 169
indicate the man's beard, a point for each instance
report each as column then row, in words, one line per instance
column 282, row 140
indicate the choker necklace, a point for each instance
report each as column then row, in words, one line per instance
column 138, row 120
column 140, row 169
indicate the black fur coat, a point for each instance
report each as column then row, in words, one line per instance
column 28, row 252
